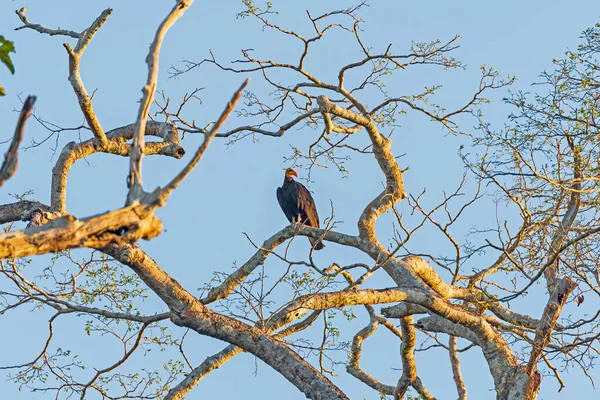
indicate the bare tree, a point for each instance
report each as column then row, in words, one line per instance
column 542, row 169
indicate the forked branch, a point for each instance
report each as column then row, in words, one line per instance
column 136, row 190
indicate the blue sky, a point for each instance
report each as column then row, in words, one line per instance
column 233, row 189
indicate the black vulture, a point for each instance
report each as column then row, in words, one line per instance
column 298, row 205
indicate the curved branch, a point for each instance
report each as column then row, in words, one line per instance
column 116, row 145
column 353, row 367
column 394, row 190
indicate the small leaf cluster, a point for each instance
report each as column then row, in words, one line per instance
column 6, row 47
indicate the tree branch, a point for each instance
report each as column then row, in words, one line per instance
column 552, row 311
column 407, row 354
column 116, row 145
column 10, row 164
column 456, row 373
column 215, row 361
column 121, row 226
column 85, row 103
column 189, row 312
column 41, row 29
column 135, row 166
column 353, row 367
column 20, row 211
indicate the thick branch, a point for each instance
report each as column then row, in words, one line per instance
column 323, row 301
column 515, row 318
column 124, row 225
column 433, row 280
column 189, row 312
column 215, row 361
column 440, row 325
column 20, row 211
column 510, row 379
column 402, row 310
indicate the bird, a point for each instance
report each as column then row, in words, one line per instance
column 298, row 205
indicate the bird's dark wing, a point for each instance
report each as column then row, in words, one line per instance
column 306, row 206
column 296, row 201
column 288, row 205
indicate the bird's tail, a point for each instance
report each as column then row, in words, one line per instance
column 316, row 243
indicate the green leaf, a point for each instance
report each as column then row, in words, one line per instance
column 2, row 91
column 6, row 47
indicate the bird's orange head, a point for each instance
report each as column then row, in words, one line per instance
column 290, row 172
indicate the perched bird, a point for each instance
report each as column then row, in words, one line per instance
column 298, row 205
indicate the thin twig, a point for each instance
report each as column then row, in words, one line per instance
column 176, row 181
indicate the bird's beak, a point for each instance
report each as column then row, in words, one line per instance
column 295, row 174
